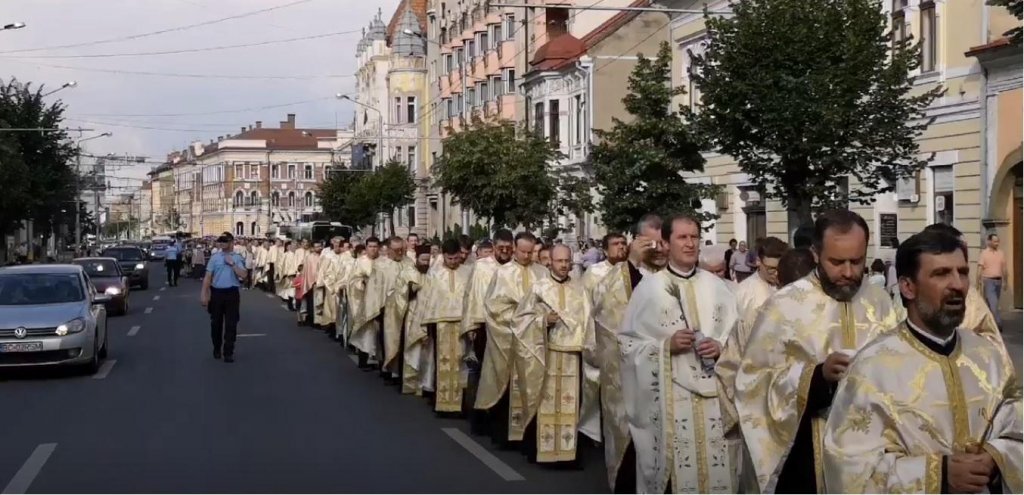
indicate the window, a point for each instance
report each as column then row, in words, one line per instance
column 240, row 228
column 899, row 21
column 239, row 198
column 291, row 199
column 275, row 199
column 308, row 199
column 510, row 81
column 444, row 35
column 470, row 97
column 397, row 116
column 510, row 26
column 238, row 171
column 929, row 37
column 497, row 37
column 692, row 51
column 447, row 61
column 398, row 153
column 410, row 109
column 538, row 118
column 484, row 42
column 308, row 173
column 411, row 157
column 553, row 124
column 449, row 108
column 275, row 171
column 470, row 50
column 254, row 198
column 459, row 104
column 458, row 57
column 485, row 93
column 254, row 171
column 578, row 120
column 255, row 228
column 412, row 216
column 291, row 171
column 943, row 183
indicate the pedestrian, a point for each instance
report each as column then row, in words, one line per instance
column 172, row 262
column 198, row 262
column 738, row 263
column 220, row 295
column 991, row 273
column 877, row 275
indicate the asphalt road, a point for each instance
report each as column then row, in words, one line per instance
column 293, row 414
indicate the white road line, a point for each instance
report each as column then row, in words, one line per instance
column 270, row 296
column 489, row 460
column 251, row 335
column 104, row 369
column 156, row 298
column 148, row 310
column 23, row 479
column 354, row 358
column 284, row 306
column 134, row 330
column 163, row 288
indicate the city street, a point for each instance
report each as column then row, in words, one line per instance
column 292, row 415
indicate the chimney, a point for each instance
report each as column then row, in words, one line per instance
column 259, row 124
column 290, row 123
column 243, row 128
column 250, row 127
column 220, row 138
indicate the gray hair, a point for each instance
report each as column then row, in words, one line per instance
column 712, row 255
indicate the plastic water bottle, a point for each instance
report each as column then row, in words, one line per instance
column 707, row 364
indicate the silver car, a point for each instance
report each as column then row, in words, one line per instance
column 51, row 315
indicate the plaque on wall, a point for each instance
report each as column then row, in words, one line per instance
column 888, row 228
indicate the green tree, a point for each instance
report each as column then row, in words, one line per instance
column 1016, row 7
column 335, row 196
column 639, row 164
column 499, row 171
column 393, row 187
column 172, row 221
column 804, row 97
column 14, row 175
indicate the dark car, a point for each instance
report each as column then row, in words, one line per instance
column 133, row 264
column 108, row 278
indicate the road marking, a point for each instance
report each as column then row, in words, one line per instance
column 134, row 330
column 104, row 369
column 251, row 335
column 270, row 296
column 156, row 298
column 163, row 288
column 354, row 358
column 284, row 306
column 148, row 310
column 489, row 460
column 23, row 479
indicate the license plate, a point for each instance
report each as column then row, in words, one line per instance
column 22, row 347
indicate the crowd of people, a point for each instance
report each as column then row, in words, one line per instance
column 698, row 368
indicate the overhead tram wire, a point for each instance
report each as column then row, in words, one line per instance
column 215, row 112
column 174, row 74
column 187, row 50
column 155, row 33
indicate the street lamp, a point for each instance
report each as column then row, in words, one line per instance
column 69, row 84
column 12, row 26
column 380, row 126
column 78, row 194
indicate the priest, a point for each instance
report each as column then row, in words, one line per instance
column 614, row 246
column 288, row 270
column 553, row 337
column 381, row 284
column 362, row 314
column 310, row 271
column 669, row 342
column 442, row 317
column 499, row 391
column 929, row 407
column 798, row 349
column 402, row 313
column 647, row 255
column 474, row 320
column 325, row 299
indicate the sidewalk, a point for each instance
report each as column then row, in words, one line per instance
column 1012, row 336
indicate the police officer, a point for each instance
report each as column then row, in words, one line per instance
column 172, row 261
column 224, row 275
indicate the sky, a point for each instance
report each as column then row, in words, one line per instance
column 152, row 115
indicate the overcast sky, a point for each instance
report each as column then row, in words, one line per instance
column 134, row 107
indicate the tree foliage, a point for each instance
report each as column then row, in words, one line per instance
column 1016, row 7
column 356, row 197
column 500, row 171
column 35, row 167
column 802, row 97
column 639, row 164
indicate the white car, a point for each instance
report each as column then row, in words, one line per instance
column 51, row 315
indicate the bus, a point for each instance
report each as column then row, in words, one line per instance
column 319, row 231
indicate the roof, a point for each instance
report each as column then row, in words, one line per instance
column 418, row 7
column 556, row 53
column 988, row 47
column 279, row 139
column 163, row 167
column 41, row 269
column 597, row 35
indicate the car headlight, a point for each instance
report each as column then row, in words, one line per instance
column 73, row 326
column 140, row 266
column 113, row 291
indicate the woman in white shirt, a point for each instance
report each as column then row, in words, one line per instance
column 877, row 273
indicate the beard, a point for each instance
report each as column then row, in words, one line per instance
column 423, row 268
column 839, row 292
column 943, row 319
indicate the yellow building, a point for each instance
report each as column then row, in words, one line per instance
column 972, row 180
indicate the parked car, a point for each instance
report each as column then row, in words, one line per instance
column 51, row 315
column 107, row 277
column 133, row 264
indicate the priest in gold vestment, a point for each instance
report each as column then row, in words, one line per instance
column 323, row 319
column 750, row 296
column 929, row 407
column 402, row 314
column 364, row 323
column 442, row 320
column 804, row 338
column 647, row 255
column 670, row 339
column 499, row 388
column 474, row 320
column 288, row 270
column 553, row 338
column 381, row 285
column 614, row 247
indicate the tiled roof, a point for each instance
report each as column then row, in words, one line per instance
column 418, row 7
column 279, row 139
column 607, row 28
column 992, row 45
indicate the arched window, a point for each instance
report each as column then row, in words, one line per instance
column 275, row 199
column 255, row 229
column 239, row 228
column 291, row 199
column 239, row 198
column 309, row 199
column 254, row 198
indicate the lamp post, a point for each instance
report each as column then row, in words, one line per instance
column 380, row 126
column 78, row 193
column 69, row 84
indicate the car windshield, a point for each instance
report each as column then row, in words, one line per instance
column 20, row 289
column 123, row 254
column 99, row 268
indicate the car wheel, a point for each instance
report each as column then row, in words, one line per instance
column 106, row 345
column 93, row 365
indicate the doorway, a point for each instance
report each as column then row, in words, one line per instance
column 1017, row 216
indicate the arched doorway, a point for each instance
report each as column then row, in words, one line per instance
column 1006, row 219
column 240, row 228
